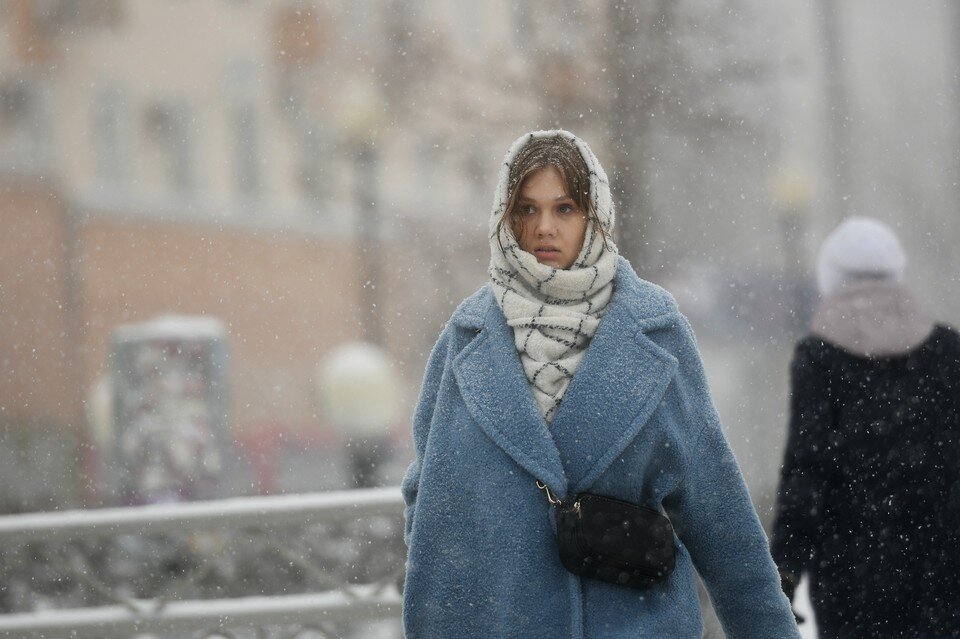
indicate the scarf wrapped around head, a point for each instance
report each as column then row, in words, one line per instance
column 554, row 313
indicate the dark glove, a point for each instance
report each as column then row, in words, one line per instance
column 789, row 582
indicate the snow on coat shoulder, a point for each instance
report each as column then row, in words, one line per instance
column 636, row 423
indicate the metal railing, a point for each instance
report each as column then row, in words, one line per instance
column 158, row 569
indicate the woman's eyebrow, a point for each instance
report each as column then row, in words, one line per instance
column 556, row 199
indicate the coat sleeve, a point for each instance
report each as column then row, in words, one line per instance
column 422, row 417
column 802, row 475
column 715, row 519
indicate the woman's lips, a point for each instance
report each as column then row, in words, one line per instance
column 547, row 252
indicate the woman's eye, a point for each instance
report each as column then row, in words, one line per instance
column 526, row 209
column 564, row 208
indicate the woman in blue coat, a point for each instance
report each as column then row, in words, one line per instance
column 569, row 370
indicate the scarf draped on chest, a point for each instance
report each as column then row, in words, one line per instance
column 554, row 313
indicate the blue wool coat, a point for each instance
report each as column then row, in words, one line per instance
column 636, row 423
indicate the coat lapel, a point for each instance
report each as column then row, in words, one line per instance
column 621, row 380
column 496, row 393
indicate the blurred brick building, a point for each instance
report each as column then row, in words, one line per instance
column 237, row 160
column 68, row 277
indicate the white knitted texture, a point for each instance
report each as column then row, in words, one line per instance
column 554, row 313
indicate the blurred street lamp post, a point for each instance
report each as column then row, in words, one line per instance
column 360, row 393
column 361, row 120
column 368, row 240
column 838, row 110
column 357, row 384
column 791, row 191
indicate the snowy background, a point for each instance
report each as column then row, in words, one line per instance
column 310, row 174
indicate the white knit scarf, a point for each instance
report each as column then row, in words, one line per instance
column 554, row 312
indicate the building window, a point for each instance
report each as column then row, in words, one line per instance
column 169, row 128
column 246, row 131
column 24, row 126
column 241, row 87
column 310, row 175
column 111, row 141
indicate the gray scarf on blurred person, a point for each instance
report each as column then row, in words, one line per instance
column 878, row 318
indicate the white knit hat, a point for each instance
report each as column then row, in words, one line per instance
column 860, row 248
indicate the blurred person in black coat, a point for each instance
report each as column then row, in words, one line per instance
column 870, row 485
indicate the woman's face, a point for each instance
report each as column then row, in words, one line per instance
column 553, row 227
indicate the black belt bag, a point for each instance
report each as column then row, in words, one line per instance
column 613, row 540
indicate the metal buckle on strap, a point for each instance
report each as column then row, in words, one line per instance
column 550, row 496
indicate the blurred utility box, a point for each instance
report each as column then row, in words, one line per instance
column 170, row 438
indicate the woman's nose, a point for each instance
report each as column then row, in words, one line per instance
column 546, row 225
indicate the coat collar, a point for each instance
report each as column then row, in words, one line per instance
column 620, row 382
